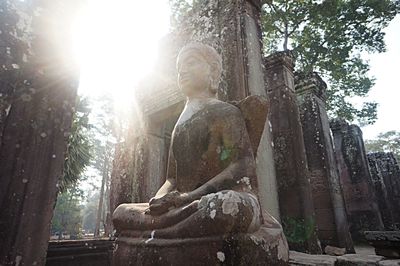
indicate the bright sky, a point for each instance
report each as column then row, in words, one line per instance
column 117, row 45
column 386, row 69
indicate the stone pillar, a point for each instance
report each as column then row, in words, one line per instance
column 361, row 204
column 329, row 206
column 41, row 82
column 385, row 174
column 294, row 189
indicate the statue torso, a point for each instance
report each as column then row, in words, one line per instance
column 198, row 143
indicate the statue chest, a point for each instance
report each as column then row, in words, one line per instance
column 196, row 151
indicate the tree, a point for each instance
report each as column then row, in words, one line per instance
column 67, row 217
column 325, row 36
column 386, row 142
column 103, row 142
column 89, row 212
column 329, row 37
column 79, row 149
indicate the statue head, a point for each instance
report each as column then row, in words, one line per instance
column 199, row 69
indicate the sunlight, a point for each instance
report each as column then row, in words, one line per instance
column 116, row 44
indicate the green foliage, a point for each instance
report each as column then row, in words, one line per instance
column 298, row 230
column 67, row 218
column 179, row 8
column 89, row 213
column 328, row 37
column 79, row 149
column 386, row 142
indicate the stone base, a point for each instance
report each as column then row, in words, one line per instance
column 267, row 246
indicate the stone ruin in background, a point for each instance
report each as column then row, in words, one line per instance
column 385, row 173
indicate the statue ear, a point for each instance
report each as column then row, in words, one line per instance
column 215, row 73
column 214, row 67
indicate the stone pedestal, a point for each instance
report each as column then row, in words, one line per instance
column 327, row 194
column 294, row 190
column 264, row 247
column 361, row 204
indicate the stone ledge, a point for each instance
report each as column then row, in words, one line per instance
column 386, row 243
column 298, row 258
column 303, row 259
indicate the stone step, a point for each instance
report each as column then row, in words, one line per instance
column 303, row 259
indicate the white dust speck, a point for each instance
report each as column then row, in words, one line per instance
column 151, row 236
column 221, row 256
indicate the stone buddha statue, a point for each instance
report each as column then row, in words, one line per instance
column 211, row 185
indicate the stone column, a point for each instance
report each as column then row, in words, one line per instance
column 294, row 190
column 385, row 174
column 39, row 98
column 330, row 210
column 361, row 204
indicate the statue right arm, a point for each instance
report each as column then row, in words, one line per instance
column 162, row 200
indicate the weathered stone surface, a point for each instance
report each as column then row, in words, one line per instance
column 389, row 263
column 38, row 84
column 385, row 174
column 264, row 247
column 254, row 110
column 298, row 258
column 330, row 211
column 87, row 252
column 334, row 251
column 360, row 199
column 386, row 243
column 358, row 260
column 294, row 189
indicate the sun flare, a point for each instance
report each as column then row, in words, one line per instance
column 116, row 44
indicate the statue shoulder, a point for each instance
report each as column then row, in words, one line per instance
column 224, row 109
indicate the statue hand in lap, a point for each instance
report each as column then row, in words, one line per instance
column 209, row 189
column 160, row 205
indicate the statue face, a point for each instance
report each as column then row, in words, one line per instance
column 194, row 73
